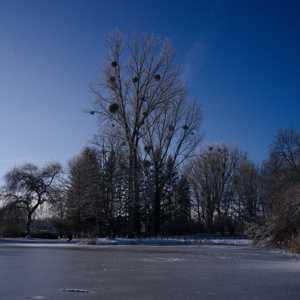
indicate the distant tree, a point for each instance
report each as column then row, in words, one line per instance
column 28, row 187
column 113, row 152
column 247, row 190
column 170, row 137
column 212, row 176
column 183, row 201
column 58, row 209
column 113, row 184
column 286, row 150
column 281, row 181
column 84, row 196
column 282, row 169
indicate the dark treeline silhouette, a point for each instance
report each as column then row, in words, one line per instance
column 146, row 174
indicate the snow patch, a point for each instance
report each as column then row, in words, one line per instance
column 163, row 259
column 172, row 241
column 72, row 290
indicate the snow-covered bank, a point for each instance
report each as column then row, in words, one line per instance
column 124, row 242
column 172, row 241
column 286, row 252
column 36, row 241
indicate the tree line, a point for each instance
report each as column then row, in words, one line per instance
column 147, row 172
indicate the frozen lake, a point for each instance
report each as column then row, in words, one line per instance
column 147, row 272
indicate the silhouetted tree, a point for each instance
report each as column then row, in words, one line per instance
column 247, row 189
column 84, row 195
column 28, row 187
column 183, row 201
column 212, row 176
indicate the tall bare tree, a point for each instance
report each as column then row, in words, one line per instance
column 140, row 83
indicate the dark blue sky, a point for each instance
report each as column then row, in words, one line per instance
column 241, row 59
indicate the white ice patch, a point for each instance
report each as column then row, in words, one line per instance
column 162, row 259
column 72, row 290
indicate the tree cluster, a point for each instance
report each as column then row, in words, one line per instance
column 225, row 186
column 281, row 191
column 146, row 174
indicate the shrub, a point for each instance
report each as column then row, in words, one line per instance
column 285, row 222
column 294, row 244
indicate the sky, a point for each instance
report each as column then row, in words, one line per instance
column 240, row 59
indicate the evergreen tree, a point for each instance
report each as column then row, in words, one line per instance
column 84, row 197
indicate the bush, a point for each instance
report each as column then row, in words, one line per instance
column 294, row 244
column 12, row 230
column 13, row 234
column 259, row 233
column 89, row 241
column 285, row 222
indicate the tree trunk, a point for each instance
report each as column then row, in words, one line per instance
column 136, row 212
column 157, row 205
column 28, row 224
column 133, row 193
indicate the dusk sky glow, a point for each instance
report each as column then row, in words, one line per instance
column 240, row 58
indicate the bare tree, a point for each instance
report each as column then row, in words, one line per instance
column 28, row 187
column 247, row 190
column 170, row 136
column 282, row 169
column 212, row 177
column 286, row 149
column 281, row 180
column 140, row 83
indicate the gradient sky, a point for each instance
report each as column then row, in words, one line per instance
column 241, row 59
